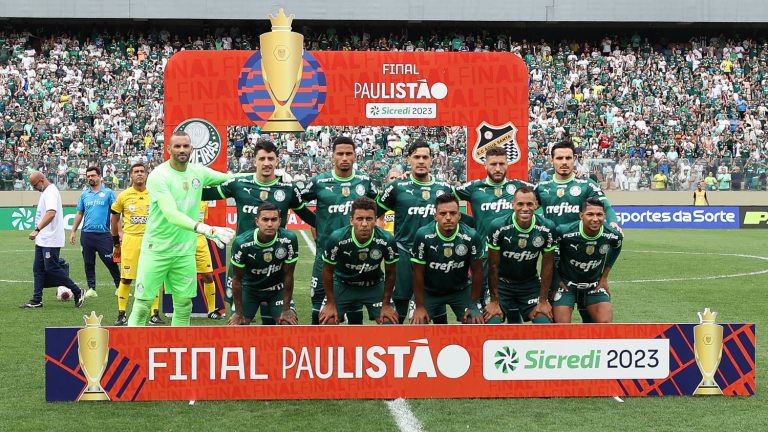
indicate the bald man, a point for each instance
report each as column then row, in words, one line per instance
column 48, row 268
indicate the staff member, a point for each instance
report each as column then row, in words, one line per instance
column 48, row 236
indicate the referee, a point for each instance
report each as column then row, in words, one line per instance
column 93, row 210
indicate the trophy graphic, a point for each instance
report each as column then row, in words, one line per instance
column 93, row 350
column 282, row 65
column 708, row 347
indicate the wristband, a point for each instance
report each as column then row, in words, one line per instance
column 116, row 239
column 37, row 229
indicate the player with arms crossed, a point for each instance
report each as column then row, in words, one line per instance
column 412, row 200
column 352, row 273
column 588, row 250
column 168, row 249
column 132, row 206
column 334, row 192
column 443, row 253
column 263, row 262
column 515, row 244
column 249, row 192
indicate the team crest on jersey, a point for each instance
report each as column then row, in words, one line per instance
column 538, row 242
column 497, row 191
column 511, row 189
column 560, row 192
column 362, row 256
column 589, row 250
column 280, row 253
column 102, row 194
column 196, row 183
column 438, row 193
column 267, row 257
column 126, row 269
column 575, row 191
column 461, row 250
column 448, row 252
column 206, row 142
column 522, row 243
column 375, row 254
column 360, row 189
column 279, row 195
column 504, row 136
column 345, row 191
column 131, row 208
column 139, row 288
column 425, row 195
column 604, row 249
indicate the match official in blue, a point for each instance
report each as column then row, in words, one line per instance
column 93, row 210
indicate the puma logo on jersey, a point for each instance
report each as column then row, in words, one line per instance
column 248, row 190
column 410, row 191
column 328, row 188
column 252, row 256
column 434, row 248
column 347, row 253
column 575, row 247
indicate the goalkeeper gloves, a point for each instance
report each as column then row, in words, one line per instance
column 220, row 235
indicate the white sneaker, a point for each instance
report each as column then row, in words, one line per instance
column 91, row 293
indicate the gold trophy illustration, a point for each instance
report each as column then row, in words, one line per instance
column 93, row 350
column 282, row 65
column 708, row 347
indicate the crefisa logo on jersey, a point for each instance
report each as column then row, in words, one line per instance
column 206, row 142
column 504, row 136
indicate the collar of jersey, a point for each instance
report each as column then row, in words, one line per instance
column 420, row 183
column 272, row 183
column 490, row 183
column 260, row 244
column 443, row 238
column 554, row 179
column 583, row 234
column 342, row 179
column 530, row 228
column 360, row 245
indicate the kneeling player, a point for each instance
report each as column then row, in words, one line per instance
column 588, row 250
column 352, row 275
column 263, row 261
column 443, row 253
column 515, row 243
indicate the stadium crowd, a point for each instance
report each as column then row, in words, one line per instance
column 643, row 114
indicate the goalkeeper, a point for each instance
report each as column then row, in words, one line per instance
column 168, row 249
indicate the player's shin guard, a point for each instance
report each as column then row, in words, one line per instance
column 123, row 292
column 182, row 309
column 140, row 313
column 210, row 295
column 401, row 306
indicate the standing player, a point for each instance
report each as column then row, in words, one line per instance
column 93, row 207
column 334, row 192
column 204, row 267
column 412, row 201
column 133, row 206
column 249, row 192
column 263, row 261
column 515, row 243
column 352, row 274
column 588, row 250
column 443, row 253
column 387, row 220
column 560, row 199
column 168, row 249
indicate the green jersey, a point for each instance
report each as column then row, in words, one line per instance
column 249, row 194
column 561, row 201
column 174, row 207
column 446, row 259
column 413, row 204
column 359, row 264
column 334, row 196
column 520, row 248
column 263, row 262
column 583, row 258
column 489, row 200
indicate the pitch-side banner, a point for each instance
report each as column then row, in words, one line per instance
column 385, row 362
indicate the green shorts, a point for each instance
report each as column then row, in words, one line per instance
column 253, row 299
column 459, row 301
column 350, row 298
column 580, row 297
column 517, row 301
column 403, row 280
column 177, row 273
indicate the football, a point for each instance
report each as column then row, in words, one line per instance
column 63, row 293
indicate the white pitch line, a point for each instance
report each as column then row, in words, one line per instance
column 727, row 276
column 404, row 417
column 310, row 243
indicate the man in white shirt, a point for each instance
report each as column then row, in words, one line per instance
column 48, row 268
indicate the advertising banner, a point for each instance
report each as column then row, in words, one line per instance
column 754, row 217
column 386, row 362
column 677, row 217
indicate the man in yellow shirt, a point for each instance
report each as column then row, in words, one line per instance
column 660, row 181
column 700, row 196
column 133, row 206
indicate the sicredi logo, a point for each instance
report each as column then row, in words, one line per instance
column 575, row 359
